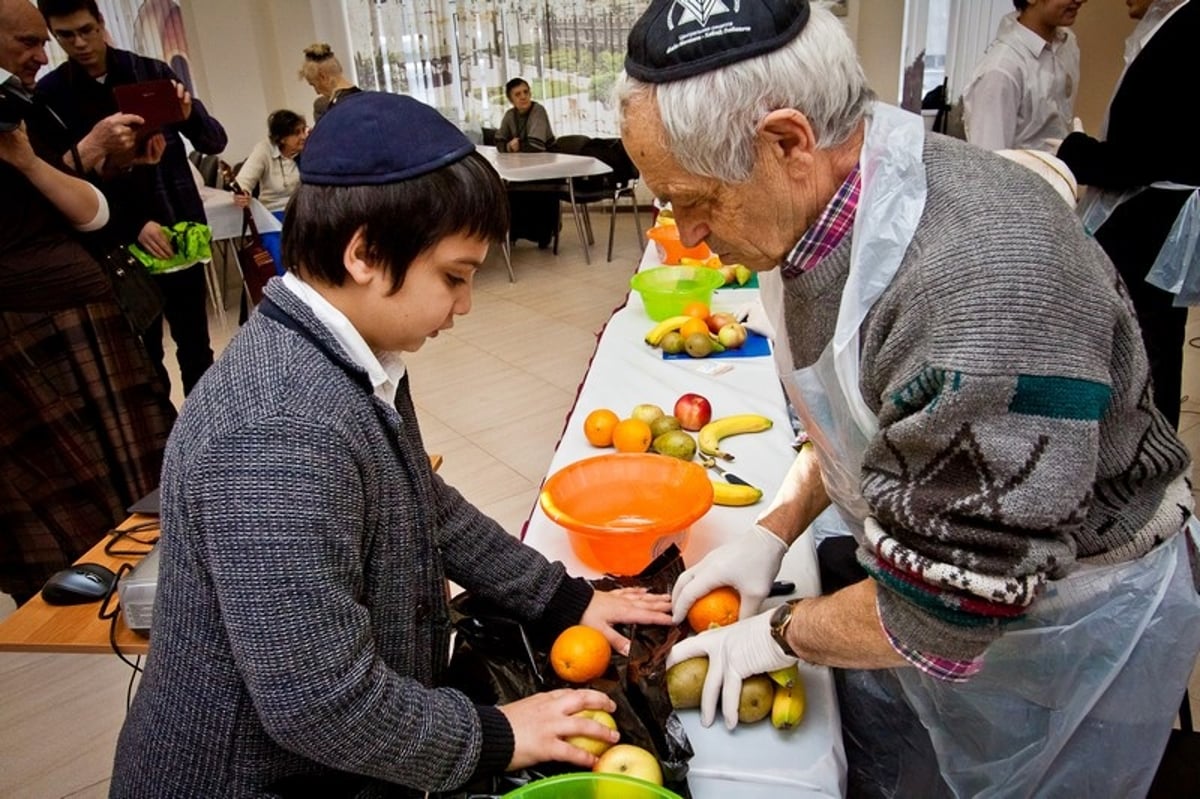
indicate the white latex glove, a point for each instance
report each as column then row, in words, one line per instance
column 734, row 653
column 749, row 563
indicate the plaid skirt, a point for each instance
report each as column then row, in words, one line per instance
column 84, row 420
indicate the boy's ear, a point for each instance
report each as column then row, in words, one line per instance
column 355, row 261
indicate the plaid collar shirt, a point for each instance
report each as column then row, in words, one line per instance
column 827, row 232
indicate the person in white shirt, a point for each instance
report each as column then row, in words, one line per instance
column 271, row 166
column 1022, row 94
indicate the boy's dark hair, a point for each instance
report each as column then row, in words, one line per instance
column 512, row 84
column 61, row 8
column 283, row 123
column 1020, row 5
column 399, row 220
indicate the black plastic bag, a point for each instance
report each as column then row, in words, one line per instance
column 498, row 660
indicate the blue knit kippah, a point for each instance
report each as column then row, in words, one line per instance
column 677, row 39
column 371, row 138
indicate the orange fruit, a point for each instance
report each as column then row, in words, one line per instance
column 715, row 609
column 580, row 654
column 696, row 324
column 598, row 427
column 696, row 310
column 632, row 435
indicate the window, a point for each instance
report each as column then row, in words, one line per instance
column 456, row 55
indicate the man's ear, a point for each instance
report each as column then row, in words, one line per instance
column 789, row 135
column 355, row 259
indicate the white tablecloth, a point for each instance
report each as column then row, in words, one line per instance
column 762, row 761
column 225, row 218
column 522, row 167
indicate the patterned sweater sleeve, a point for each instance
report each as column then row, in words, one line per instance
column 982, row 473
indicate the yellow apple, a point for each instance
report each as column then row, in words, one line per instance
column 632, row 761
column 593, row 745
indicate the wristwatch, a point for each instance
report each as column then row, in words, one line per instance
column 780, row 619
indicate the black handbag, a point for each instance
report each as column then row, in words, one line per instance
column 138, row 296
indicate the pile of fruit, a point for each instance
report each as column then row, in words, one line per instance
column 779, row 694
column 649, row 428
column 666, row 234
column 734, row 274
column 697, row 331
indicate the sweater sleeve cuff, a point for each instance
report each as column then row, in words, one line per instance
column 567, row 605
column 497, row 745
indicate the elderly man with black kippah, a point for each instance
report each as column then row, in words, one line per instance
column 969, row 373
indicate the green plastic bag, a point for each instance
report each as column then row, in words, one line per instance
column 192, row 242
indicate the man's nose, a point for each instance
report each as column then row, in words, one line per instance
column 691, row 234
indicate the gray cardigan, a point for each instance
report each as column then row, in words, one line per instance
column 301, row 623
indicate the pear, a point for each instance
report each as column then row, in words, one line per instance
column 675, row 443
column 647, row 412
column 665, row 424
column 743, row 274
column 685, row 682
column 698, row 345
column 672, row 343
column 758, row 694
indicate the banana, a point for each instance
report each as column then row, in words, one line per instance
column 663, row 328
column 787, row 709
column 786, row 677
column 712, row 433
column 730, row 494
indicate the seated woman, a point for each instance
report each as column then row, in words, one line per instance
column 324, row 73
column 526, row 129
column 271, row 169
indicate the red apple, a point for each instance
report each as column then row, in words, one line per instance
column 693, row 411
column 719, row 320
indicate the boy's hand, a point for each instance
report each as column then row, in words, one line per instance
column 625, row 606
column 541, row 723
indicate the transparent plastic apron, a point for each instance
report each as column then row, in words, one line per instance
column 1107, row 645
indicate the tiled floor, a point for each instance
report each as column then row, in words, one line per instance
column 492, row 395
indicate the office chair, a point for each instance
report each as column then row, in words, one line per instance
column 622, row 181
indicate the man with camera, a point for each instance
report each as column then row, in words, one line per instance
column 146, row 201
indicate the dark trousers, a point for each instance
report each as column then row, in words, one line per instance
column 186, row 311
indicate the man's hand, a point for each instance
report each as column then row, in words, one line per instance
column 151, row 152
column 154, row 241
column 185, row 98
column 15, row 149
column 541, row 722
column 734, row 653
column 513, row 145
column 241, row 199
column 625, row 606
column 748, row 563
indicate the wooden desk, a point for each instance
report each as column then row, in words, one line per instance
column 38, row 626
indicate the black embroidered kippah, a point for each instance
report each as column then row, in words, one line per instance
column 677, row 39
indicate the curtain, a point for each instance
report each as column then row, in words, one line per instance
column 456, row 55
column 972, row 27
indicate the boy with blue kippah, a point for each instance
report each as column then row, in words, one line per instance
column 301, row 628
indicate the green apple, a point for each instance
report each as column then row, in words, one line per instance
column 632, row 761
column 594, row 745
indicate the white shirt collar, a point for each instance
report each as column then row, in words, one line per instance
column 385, row 369
column 1027, row 38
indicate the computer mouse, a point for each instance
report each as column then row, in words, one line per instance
column 83, row 582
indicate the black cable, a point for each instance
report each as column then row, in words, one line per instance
column 111, row 616
column 115, row 536
column 132, row 677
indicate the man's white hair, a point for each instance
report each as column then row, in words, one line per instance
column 711, row 120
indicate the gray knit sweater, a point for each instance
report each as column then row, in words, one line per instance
column 301, row 622
column 1017, row 431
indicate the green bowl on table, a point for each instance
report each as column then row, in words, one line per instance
column 590, row 785
column 666, row 290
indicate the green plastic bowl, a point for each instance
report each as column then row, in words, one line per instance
column 666, row 290
column 589, row 785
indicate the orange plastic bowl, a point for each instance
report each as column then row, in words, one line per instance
column 671, row 248
column 621, row 511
